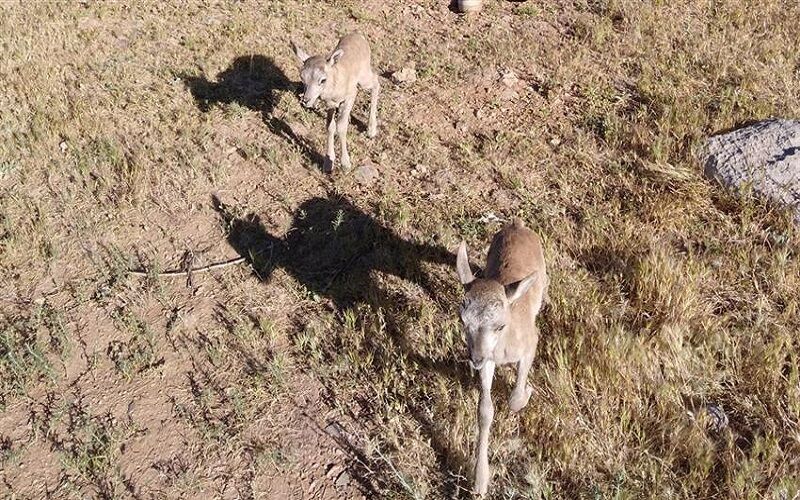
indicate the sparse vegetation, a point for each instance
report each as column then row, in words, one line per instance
column 137, row 354
column 118, row 122
column 30, row 348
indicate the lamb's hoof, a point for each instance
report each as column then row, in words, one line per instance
column 481, row 483
column 345, row 163
column 327, row 165
column 520, row 401
column 372, row 132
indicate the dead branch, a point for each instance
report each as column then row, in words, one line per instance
column 211, row 267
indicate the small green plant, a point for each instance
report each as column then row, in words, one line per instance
column 6, row 168
column 48, row 318
column 91, row 449
column 235, row 111
column 337, row 221
column 527, row 10
column 115, row 278
column 27, row 346
column 395, row 210
column 137, row 354
column 471, row 228
column 271, row 455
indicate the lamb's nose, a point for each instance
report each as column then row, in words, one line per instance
column 476, row 362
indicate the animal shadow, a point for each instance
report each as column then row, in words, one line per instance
column 255, row 82
column 332, row 249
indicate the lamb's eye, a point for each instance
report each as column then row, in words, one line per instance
column 322, row 80
column 499, row 328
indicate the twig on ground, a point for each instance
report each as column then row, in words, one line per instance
column 211, row 267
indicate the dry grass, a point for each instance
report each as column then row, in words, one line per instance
column 118, row 122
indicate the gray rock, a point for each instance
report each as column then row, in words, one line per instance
column 366, row 174
column 764, row 156
column 343, row 479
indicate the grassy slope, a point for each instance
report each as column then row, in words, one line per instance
column 666, row 293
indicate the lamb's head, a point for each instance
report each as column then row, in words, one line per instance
column 314, row 73
column 486, row 309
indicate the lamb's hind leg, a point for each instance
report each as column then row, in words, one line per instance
column 485, row 417
column 375, row 86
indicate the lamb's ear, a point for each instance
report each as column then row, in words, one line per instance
column 299, row 52
column 335, row 56
column 516, row 290
column 462, row 265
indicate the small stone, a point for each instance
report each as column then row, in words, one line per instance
column 63, row 146
column 405, row 75
column 335, row 430
column 343, row 479
column 333, row 470
column 366, row 174
column 555, row 142
column 419, row 170
column 509, row 78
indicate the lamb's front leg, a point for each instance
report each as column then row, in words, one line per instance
column 343, row 120
column 522, row 391
column 330, row 159
column 485, row 417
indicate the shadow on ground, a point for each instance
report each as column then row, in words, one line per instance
column 255, row 82
column 334, row 250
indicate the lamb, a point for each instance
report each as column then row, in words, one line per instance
column 335, row 79
column 499, row 319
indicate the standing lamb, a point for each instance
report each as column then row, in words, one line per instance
column 499, row 318
column 335, row 80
